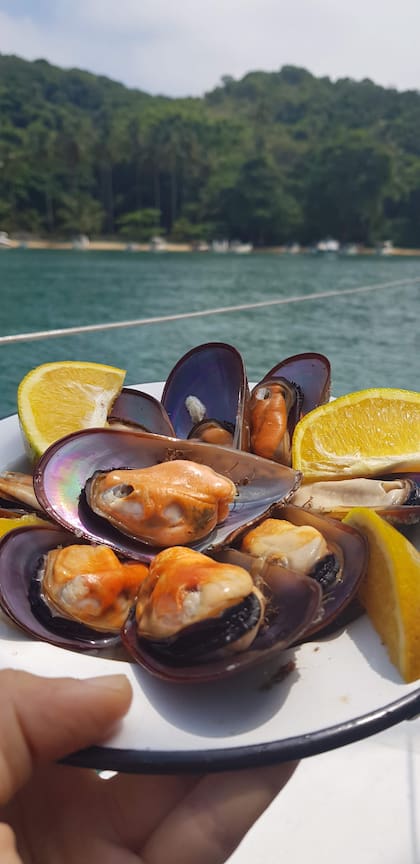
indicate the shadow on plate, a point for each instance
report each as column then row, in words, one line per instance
column 230, row 707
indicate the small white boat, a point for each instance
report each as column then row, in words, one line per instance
column 241, row 248
column 385, row 248
column 329, row 245
column 81, row 242
column 5, row 241
column 158, row 244
column 220, row 246
column 349, row 249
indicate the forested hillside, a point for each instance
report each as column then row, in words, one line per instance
column 272, row 158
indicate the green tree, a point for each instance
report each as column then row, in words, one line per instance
column 347, row 180
column 140, row 225
column 80, row 214
column 258, row 208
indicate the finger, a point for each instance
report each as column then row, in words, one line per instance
column 214, row 817
column 136, row 805
column 8, row 853
column 45, row 719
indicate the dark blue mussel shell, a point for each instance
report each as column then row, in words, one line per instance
column 137, row 409
column 311, row 373
column 215, row 374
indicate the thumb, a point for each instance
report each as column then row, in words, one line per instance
column 47, row 718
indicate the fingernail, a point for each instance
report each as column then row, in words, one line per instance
column 115, row 683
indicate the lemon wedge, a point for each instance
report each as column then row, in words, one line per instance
column 30, row 520
column 360, row 434
column 55, row 399
column 390, row 591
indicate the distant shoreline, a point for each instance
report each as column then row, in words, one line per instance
column 121, row 246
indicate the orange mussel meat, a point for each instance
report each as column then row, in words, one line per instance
column 90, row 584
column 168, row 504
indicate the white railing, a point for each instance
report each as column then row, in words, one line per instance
column 201, row 313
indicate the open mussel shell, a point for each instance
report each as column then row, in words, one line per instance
column 11, row 512
column 136, row 409
column 293, row 603
column 209, row 383
column 352, row 552
column 21, row 556
column 395, row 497
column 310, row 372
column 63, row 471
column 17, row 492
column 409, row 513
column 270, row 433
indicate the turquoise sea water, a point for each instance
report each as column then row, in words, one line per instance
column 371, row 339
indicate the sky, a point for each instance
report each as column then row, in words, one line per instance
column 184, row 47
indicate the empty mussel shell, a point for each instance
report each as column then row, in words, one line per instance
column 63, row 471
column 138, row 410
column 22, row 553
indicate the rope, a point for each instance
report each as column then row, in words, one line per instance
column 181, row 316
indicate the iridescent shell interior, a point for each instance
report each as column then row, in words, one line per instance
column 65, row 468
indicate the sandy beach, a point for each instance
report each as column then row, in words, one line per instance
column 124, row 246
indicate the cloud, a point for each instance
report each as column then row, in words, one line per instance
column 32, row 40
column 184, row 48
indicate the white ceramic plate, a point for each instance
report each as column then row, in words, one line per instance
column 342, row 689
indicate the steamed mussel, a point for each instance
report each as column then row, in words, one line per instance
column 395, row 498
column 274, row 410
column 18, row 504
column 249, row 486
column 201, row 618
column 90, row 584
column 191, row 623
column 17, row 488
column 25, row 598
column 302, row 548
column 289, row 390
column 185, row 589
column 313, row 546
column 167, row 504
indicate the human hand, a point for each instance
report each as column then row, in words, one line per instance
column 68, row 815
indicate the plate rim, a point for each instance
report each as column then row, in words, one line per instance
column 251, row 755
